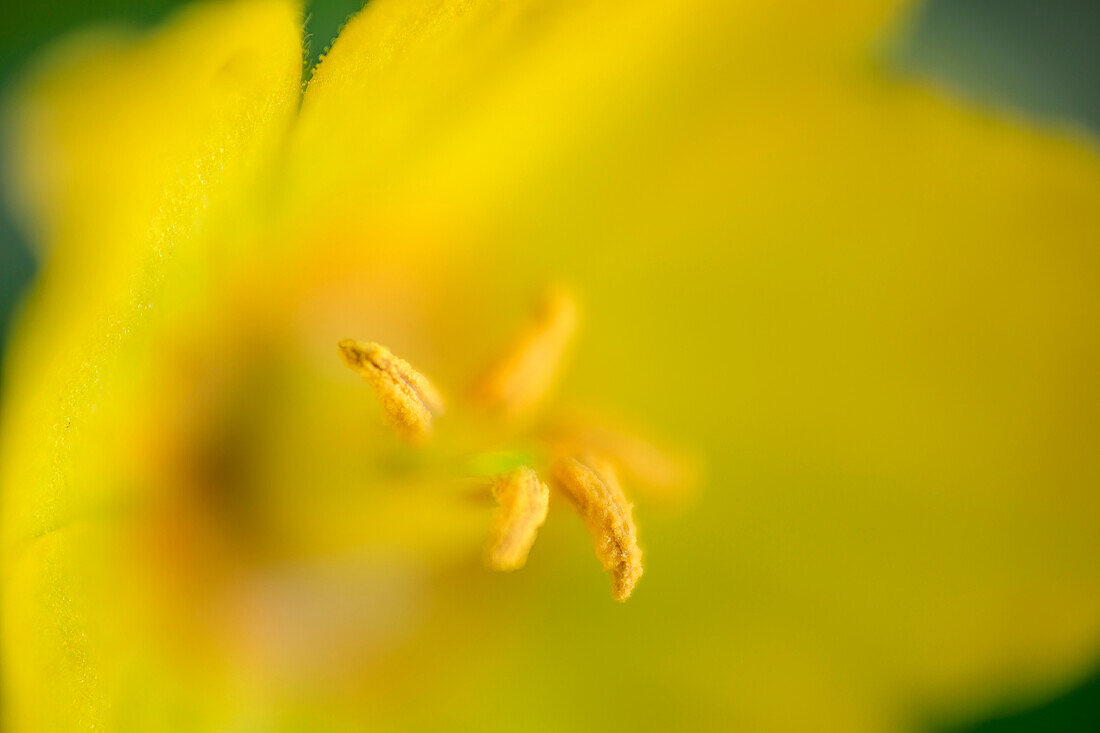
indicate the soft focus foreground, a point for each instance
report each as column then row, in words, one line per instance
column 870, row 308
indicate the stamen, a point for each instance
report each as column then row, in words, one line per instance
column 408, row 398
column 594, row 491
column 524, row 501
column 526, row 371
column 661, row 472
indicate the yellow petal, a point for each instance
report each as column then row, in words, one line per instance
column 886, row 298
column 443, row 106
column 118, row 141
column 129, row 153
column 444, row 101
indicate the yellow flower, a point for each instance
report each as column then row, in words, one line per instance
column 872, row 307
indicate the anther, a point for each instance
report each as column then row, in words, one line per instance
column 525, row 372
column 524, row 501
column 408, row 398
column 594, row 491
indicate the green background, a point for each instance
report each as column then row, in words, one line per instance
column 1038, row 58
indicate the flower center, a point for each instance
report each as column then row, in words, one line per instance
column 509, row 390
